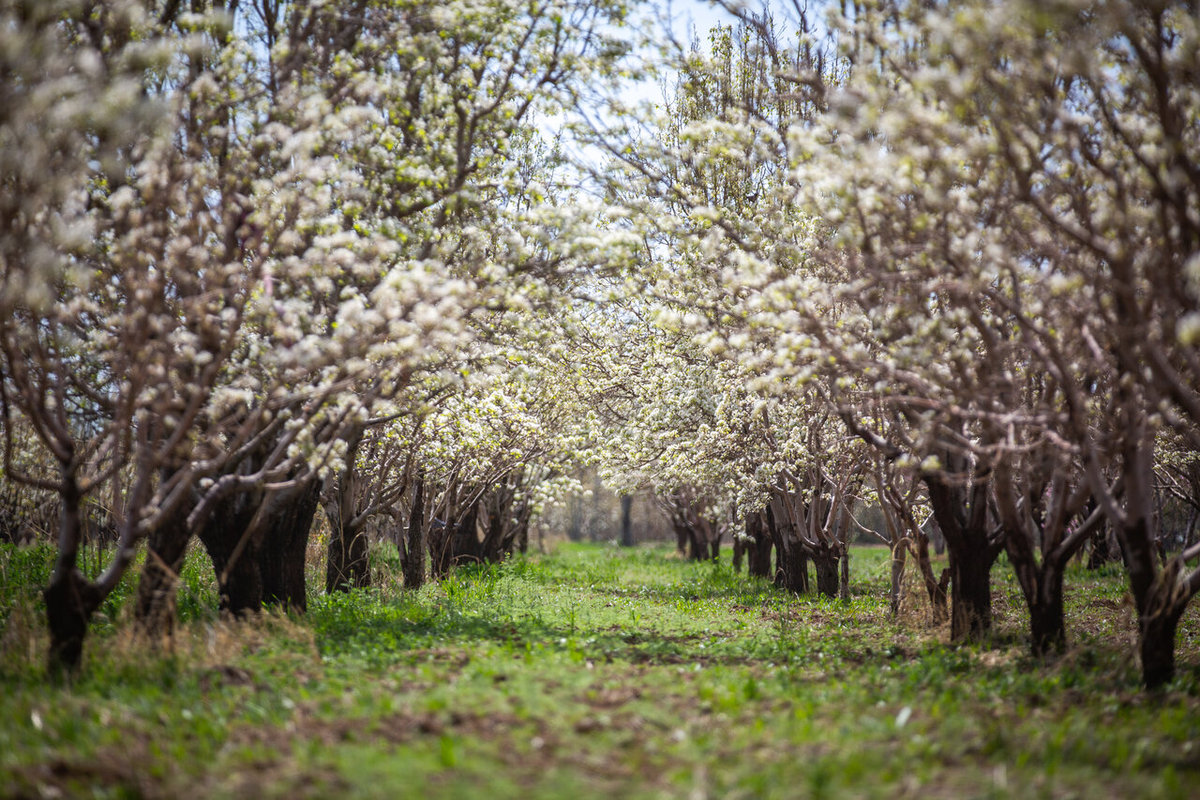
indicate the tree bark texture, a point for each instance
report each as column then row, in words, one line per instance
column 970, row 594
column 70, row 602
column 827, row 574
column 1160, row 602
column 935, row 587
column 348, row 564
column 791, row 562
column 70, row 598
column 158, row 587
column 284, row 549
column 233, row 547
column 1047, row 626
column 1102, row 548
column 961, row 515
column 760, row 553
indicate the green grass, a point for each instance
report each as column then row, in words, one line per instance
column 594, row 672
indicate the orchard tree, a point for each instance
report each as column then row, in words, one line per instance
column 1041, row 164
column 75, row 114
column 992, row 195
column 230, row 295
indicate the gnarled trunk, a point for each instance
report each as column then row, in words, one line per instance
column 70, row 598
column 961, row 515
column 760, row 553
column 792, row 574
column 1160, row 602
column 681, row 538
column 234, row 553
column 1161, row 593
column 233, row 547
column 970, row 593
column 1047, row 626
column 281, row 559
column 1101, row 549
column 827, row 573
column 697, row 543
column 348, row 564
column 935, row 588
column 158, row 588
column 791, row 562
column 70, row 602
column 464, row 538
column 1041, row 585
column 1157, row 646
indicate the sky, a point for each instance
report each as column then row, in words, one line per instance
column 700, row 14
column 688, row 18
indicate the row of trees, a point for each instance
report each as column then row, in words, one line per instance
column 259, row 258
column 944, row 261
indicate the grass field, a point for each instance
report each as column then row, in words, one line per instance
column 594, row 672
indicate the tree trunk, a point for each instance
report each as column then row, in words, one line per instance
column 412, row 555
column 233, row 549
column 491, row 549
column 935, row 588
column 961, row 515
column 464, row 540
column 1160, row 602
column 1041, row 584
column 760, row 554
column 1158, row 608
column 799, row 567
column 936, row 538
column 239, row 580
column 70, row 602
column 70, row 598
column 281, row 558
column 1042, row 587
column 793, row 565
column 517, row 532
column 1100, row 550
column 627, row 520
column 1157, row 646
column 697, row 547
column 970, row 594
column 827, row 574
column 896, row 591
column 575, row 526
column 523, row 538
column 158, row 588
column 844, row 579
column 348, row 565
column 1046, row 624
